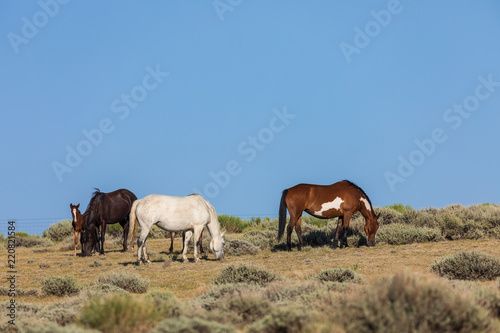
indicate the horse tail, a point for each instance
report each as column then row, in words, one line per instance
column 282, row 215
column 133, row 221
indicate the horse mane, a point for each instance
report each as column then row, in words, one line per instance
column 361, row 190
column 91, row 207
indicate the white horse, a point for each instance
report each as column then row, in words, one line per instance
column 175, row 214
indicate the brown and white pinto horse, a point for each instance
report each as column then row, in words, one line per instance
column 77, row 221
column 342, row 200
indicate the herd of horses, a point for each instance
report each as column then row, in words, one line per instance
column 191, row 214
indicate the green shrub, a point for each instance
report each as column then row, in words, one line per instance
column 406, row 303
column 32, row 241
column 191, row 325
column 238, row 247
column 240, row 309
column 399, row 234
column 400, row 208
column 389, row 216
column 61, row 313
column 127, row 281
column 420, row 218
column 60, row 286
column 452, row 227
column 468, row 265
column 101, row 289
column 114, row 230
column 244, row 274
column 165, row 302
column 263, row 239
column 338, row 275
column 58, row 231
column 210, row 299
column 288, row 319
column 488, row 297
column 287, row 292
column 120, row 313
column 320, row 223
column 21, row 234
column 270, row 224
column 232, row 224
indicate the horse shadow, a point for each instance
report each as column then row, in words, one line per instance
column 134, row 263
column 321, row 238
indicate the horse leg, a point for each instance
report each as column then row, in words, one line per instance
column 293, row 221
column 103, row 232
column 187, row 237
column 201, row 242
column 340, row 223
column 141, row 243
column 76, row 241
column 145, row 253
column 97, row 233
column 172, row 235
column 347, row 219
column 196, row 238
column 183, row 240
column 126, row 228
column 298, row 230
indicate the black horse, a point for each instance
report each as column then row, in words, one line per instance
column 103, row 209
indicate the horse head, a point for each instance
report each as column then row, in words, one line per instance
column 88, row 238
column 371, row 227
column 217, row 246
column 75, row 213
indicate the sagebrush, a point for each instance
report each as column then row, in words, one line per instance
column 244, row 274
column 60, row 286
column 468, row 265
column 126, row 281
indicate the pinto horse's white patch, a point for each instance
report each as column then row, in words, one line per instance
column 335, row 204
column 74, row 214
column 367, row 204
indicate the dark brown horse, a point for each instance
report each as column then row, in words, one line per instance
column 342, row 200
column 77, row 221
column 103, row 209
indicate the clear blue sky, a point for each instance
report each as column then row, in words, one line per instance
column 242, row 99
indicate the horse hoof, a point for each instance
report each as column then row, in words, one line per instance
column 139, row 263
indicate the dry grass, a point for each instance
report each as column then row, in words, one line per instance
column 187, row 280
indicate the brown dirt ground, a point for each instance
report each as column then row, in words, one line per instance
column 186, row 280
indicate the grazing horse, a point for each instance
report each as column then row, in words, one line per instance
column 190, row 214
column 103, row 209
column 77, row 221
column 342, row 200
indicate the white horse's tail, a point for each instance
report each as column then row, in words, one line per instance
column 133, row 221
